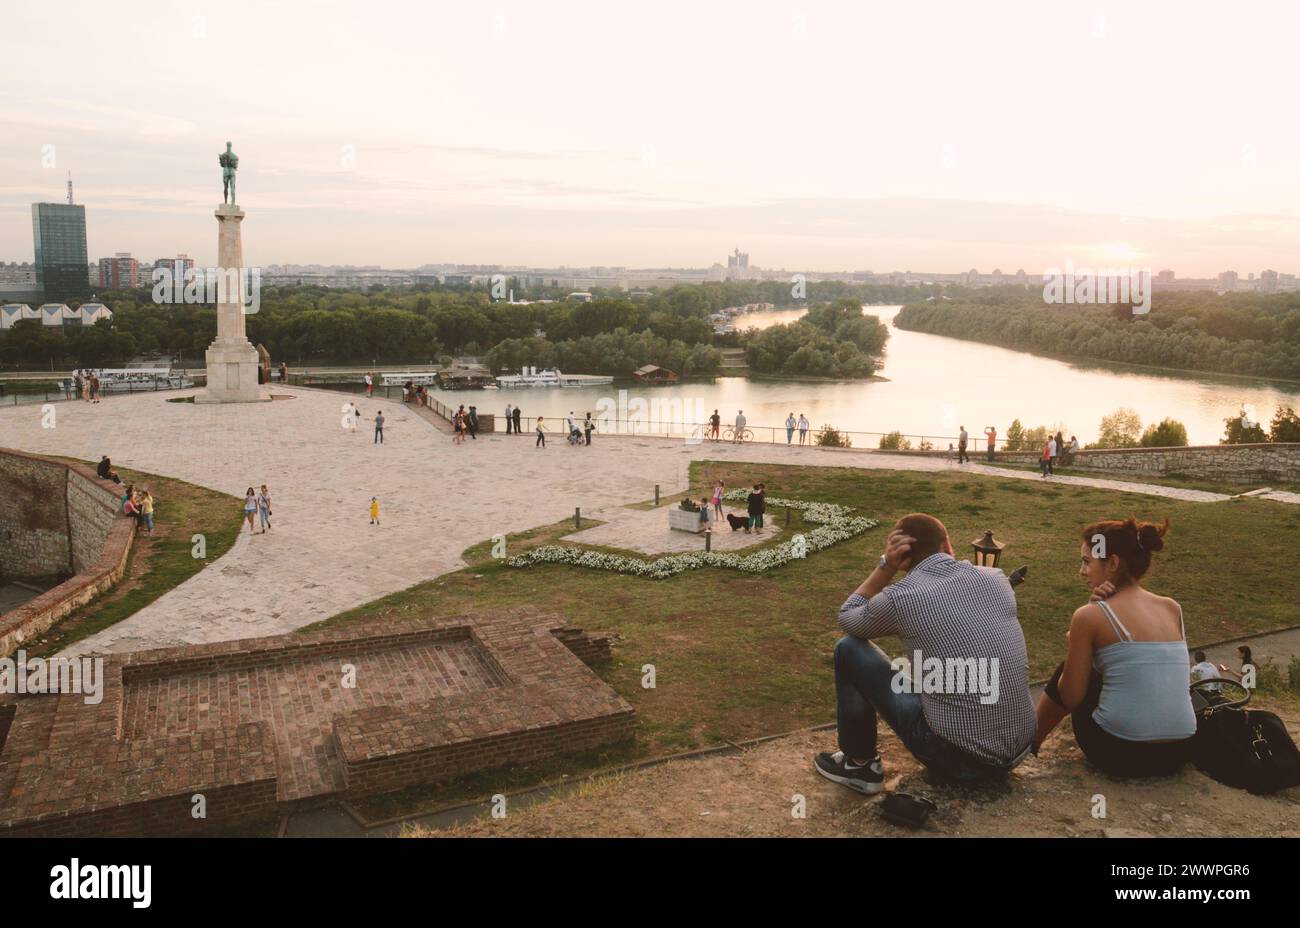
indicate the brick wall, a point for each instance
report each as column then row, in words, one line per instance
column 36, row 494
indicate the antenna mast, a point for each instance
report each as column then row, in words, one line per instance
column 69, row 188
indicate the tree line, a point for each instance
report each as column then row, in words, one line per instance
column 1238, row 333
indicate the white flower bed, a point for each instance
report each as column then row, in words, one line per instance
column 834, row 524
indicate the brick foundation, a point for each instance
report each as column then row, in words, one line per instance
column 261, row 725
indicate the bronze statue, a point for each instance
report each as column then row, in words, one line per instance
column 229, row 162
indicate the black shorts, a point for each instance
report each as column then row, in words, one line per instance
column 1117, row 756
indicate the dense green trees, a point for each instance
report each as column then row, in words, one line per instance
column 314, row 325
column 1255, row 334
column 835, row 340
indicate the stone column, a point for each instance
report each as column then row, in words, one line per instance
column 232, row 362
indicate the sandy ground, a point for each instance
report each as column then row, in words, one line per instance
column 755, row 794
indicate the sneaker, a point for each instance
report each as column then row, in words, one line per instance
column 868, row 779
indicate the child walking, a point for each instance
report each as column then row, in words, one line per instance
column 374, row 510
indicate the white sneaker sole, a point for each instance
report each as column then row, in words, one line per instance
column 858, row 786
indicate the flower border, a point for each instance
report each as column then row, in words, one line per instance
column 835, row 523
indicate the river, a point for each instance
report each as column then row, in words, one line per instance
column 933, row 386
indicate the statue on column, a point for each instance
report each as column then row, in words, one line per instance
column 229, row 162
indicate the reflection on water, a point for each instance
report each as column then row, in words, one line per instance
column 936, row 385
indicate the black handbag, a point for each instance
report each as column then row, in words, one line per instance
column 1248, row 749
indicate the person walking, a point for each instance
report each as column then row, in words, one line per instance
column 992, row 435
column 264, row 508
column 379, row 428
column 962, row 439
column 588, row 427
column 790, row 423
column 541, row 435
column 718, row 490
column 78, row 383
column 510, row 423
column 516, row 418
column 370, row 385
column 1045, row 460
column 803, row 428
column 250, row 508
column 472, row 418
column 458, row 426
column 284, row 372
column 374, row 510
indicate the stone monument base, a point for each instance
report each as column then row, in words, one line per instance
column 232, row 374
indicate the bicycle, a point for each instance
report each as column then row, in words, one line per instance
column 730, row 434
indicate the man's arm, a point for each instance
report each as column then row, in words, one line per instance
column 869, row 611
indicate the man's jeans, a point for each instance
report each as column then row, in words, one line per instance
column 862, row 689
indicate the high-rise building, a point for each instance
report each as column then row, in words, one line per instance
column 59, row 235
column 120, row 272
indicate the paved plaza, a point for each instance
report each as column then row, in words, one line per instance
column 436, row 498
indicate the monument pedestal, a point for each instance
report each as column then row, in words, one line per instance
column 232, row 373
column 232, row 362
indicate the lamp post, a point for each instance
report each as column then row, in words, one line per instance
column 987, row 551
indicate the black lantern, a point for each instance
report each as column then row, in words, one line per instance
column 988, row 551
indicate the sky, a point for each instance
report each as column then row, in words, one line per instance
column 814, row 136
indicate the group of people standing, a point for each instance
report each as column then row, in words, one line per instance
column 257, row 507
column 138, row 504
column 84, row 385
column 464, row 422
column 802, row 424
column 1056, row 449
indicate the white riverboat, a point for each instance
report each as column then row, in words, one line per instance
column 551, row 377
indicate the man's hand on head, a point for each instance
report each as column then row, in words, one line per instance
column 897, row 548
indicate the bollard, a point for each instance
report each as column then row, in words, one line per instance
column 577, row 517
column 708, row 542
column 656, row 494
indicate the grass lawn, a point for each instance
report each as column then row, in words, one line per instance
column 737, row 656
column 158, row 562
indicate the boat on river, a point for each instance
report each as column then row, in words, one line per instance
column 551, row 377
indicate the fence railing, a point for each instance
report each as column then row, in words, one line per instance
column 66, row 396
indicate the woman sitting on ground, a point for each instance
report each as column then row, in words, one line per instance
column 1124, row 679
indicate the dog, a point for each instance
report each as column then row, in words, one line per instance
column 737, row 522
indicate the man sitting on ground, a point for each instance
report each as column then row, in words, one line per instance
column 972, row 721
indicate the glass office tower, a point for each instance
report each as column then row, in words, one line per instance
column 59, row 231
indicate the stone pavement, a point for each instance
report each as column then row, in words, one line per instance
column 647, row 531
column 436, row 498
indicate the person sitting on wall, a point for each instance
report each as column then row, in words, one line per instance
column 105, row 470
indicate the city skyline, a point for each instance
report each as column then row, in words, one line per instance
column 482, row 138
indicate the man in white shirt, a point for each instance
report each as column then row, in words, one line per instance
column 509, row 422
column 740, row 426
column 803, row 428
column 1203, row 669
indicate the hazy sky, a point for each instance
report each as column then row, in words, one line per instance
column 923, row 136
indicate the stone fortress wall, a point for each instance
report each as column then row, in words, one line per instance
column 1245, row 464
column 57, row 520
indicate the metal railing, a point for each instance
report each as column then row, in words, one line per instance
column 66, row 396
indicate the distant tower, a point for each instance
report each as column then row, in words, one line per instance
column 69, row 188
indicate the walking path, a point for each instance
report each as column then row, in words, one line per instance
column 436, row 498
